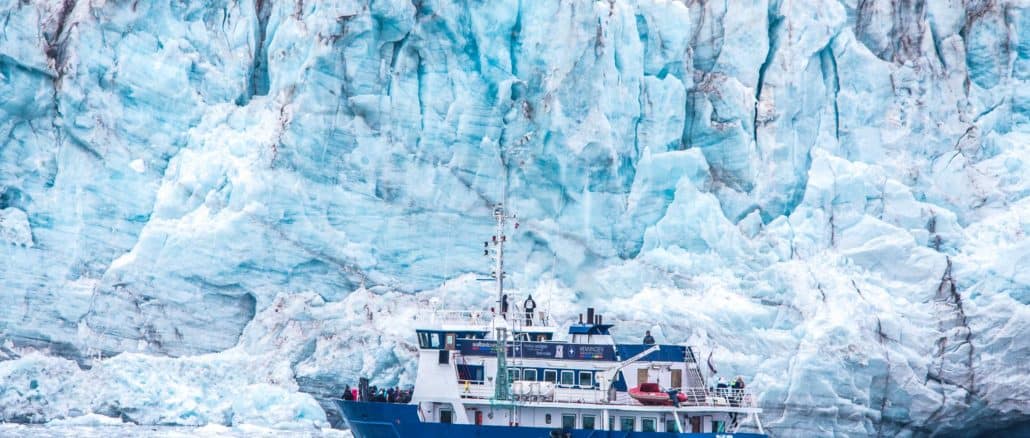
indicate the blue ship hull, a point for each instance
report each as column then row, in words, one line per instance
column 394, row 420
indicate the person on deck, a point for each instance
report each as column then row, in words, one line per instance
column 648, row 339
column 347, row 394
column 504, row 305
column 529, row 305
column 673, row 395
column 722, row 388
column 738, row 390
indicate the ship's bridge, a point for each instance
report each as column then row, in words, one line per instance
column 453, row 325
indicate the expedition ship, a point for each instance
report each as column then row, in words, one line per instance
column 504, row 373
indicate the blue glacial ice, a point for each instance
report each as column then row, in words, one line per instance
column 247, row 200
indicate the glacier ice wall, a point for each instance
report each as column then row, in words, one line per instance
column 830, row 196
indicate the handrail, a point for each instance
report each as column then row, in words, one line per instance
column 732, row 397
column 696, row 397
column 480, row 317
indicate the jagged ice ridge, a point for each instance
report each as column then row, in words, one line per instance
column 247, row 200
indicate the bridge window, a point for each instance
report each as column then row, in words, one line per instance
column 473, row 373
column 568, row 421
column 588, row 422
column 514, row 374
column 648, row 424
column 551, row 376
column 528, row 374
column 586, row 379
column 568, row 377
column 627, row 423
column 718, row 426
column 424, row 340
column 670, row 425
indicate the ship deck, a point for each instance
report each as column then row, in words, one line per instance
column 386, row 420
column 698, row 400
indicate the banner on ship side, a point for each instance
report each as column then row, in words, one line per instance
column 539, row 350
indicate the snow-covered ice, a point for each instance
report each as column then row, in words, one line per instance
column 219, row 212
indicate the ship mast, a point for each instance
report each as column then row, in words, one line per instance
column 501, row 216
column 502, row 387
column 498, row 240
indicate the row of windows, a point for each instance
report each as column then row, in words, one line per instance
column 626, row 423
column 589, row 422
column 569, row 378
column 448, row 340
column 429, row 339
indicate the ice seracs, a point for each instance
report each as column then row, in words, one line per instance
column 14, row 227
column 767, row 155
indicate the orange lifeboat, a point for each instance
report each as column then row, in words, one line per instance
column 652, row 394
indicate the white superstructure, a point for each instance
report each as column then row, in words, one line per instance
column 505, row 366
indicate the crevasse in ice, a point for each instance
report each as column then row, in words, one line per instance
column 248, row 199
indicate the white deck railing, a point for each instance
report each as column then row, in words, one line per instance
column 481, row 317
column 717, row 398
